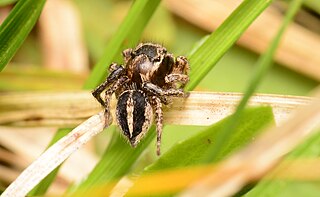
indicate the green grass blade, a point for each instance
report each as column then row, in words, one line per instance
column 43, row 186
column 222, row 39
column 116, row 161
column 16, row 27
column 6, row 2
column 313, row 5
column 128, row 34
column 263, row 65
column 190, row 151
column 268, row 187
column 113, row 165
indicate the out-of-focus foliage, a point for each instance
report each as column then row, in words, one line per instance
column 16, row 27
column 100, row 20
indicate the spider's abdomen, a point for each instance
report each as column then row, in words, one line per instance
column 134, row 115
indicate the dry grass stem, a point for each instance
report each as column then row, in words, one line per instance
column 292, row 52
column 302, row 169
column 207, row 107
column 259, row 157
column 297, row 169
column 60, row 32
column 55, row 155
column 14, row 153
column 71, row 108
column 17, row 139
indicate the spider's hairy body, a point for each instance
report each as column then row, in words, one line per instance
column 134, row 119
column 150, row 76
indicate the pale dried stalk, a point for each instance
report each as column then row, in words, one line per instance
column 55, row 155
column 16, row 139
column 69, row 108
column 299, row 44
column 260, row 156
column 198, row 104
column 60, row 32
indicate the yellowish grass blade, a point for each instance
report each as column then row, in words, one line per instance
column 180, row 179
column 71, row 108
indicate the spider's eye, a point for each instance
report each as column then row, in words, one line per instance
column 157, row 59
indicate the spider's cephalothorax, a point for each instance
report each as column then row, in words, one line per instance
column 150, row 76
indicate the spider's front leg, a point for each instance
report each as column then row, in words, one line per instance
column 127, row 54
column 113, row 82
column 116, row 72
column 181, row 66
column 108, row 94
column 113, row 67
column 156, row 102
column 163, row 93
column 179, row 72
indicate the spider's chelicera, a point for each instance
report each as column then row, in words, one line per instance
column 149, row 77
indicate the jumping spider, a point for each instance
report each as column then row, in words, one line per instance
column 150, row 76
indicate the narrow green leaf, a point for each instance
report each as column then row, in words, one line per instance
column 262, row 67
column 190, row 151
column 128, row 34
column 203, row 60
column 313, row 5
column 268, row 187
column 6, row 2
column 116, row 160
column 16, row 27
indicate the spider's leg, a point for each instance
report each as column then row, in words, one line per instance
column 179, row 72
column 181, row 66
column 162, row 93
column 176, row 77
column 127, row 53
column 108, row 94
column 114, row 66
column 114, row 76
column 159, row 120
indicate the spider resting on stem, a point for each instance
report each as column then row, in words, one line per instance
column 150, row 76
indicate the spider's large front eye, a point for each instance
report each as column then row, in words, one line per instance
column 158, row 59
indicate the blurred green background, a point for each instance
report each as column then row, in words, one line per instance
column 231, row 74
column 100, row 19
